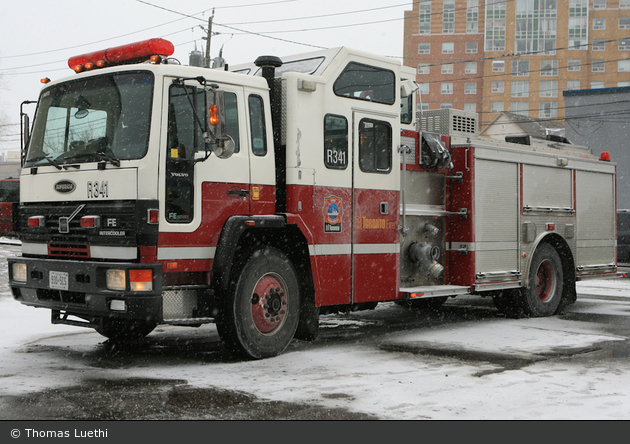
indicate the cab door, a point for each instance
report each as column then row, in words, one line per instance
column 201, row 190
column 375, row 197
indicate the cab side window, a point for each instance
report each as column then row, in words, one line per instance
column 257, row 123
column 335, row 142
column 375, row 146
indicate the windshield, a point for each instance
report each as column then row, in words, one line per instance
column 92, row 119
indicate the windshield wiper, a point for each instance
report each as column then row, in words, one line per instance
column 48, row 158
column 52, row 162
column 114, row 161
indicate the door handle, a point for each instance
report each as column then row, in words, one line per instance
column 242, row 193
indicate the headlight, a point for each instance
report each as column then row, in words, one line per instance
column 19, row 271
column 116, row 280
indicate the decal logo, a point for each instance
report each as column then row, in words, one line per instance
column 65, row 186
column 333, row 210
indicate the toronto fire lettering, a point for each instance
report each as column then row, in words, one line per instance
column 366, row 223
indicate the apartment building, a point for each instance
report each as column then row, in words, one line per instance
column 489, row 56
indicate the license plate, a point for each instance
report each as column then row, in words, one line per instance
column 58, row 280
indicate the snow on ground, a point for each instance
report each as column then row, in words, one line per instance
column 387, row 377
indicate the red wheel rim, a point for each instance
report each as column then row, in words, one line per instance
column 544, row 281
column 269, row 303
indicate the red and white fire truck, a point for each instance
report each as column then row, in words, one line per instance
column 263, row 196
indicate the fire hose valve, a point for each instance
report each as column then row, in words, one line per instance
column 426, row 255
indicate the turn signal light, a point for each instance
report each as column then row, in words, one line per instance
column 90, row 222
column 36, row 221
column 141, row 280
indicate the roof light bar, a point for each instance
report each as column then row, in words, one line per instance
column 152, row 49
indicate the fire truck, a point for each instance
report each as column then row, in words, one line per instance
column 9, row 198
column 259, row 197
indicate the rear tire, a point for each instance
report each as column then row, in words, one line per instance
column 260, row 313
column 543, row 294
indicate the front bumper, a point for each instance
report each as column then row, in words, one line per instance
column 86, row 294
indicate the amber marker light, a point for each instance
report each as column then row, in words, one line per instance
column 214, row 115
column 141, row 280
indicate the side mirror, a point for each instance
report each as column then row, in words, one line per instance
column 27, row 130
column 223, row 144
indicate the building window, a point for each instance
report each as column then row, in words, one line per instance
column 624, row 4
column 470, row 68
column 448, row 17
column 549, row 88
column 498, row 66
column 573, row 84
column 623, row 84
column 599, row 24
column 498, row 86
column 535, row 26
column 448, row 48
column 470, row 88
column 424, row 25
column 497, row 107
column 472, row 16
column 624, row 22
column 447, row 88
column 597, row 85
column 424, row 48
column 598, row 66
column 624, row 44
column 623, row 66
column 423, row 88
column 599, row 4
column 470, row 107
column 471, row 47
column 495, row 25
column 574, row 65
column 599, row 45
column 548, row 67
column 520, row 68
column 423, row 106
column 520, row 88
column 424, row 68
column 447, row 68
column 521, row 108
column 578, row 24
column 446, row 106
column 548, row 110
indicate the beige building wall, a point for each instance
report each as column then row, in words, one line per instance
column 602, row 27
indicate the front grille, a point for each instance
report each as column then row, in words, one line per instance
column 75, row 242
column 68, row 250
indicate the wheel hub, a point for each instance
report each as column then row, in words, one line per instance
column 269, row 304
column 544, row 281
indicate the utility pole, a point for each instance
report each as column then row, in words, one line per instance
column 207, row 59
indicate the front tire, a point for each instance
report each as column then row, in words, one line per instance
column 543, row 294
column 261, row 311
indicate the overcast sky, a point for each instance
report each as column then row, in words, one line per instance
column 37, row 37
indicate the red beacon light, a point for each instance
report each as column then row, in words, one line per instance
column 152, row 49
column 605, row 156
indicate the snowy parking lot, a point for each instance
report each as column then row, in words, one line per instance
column 464, row 362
